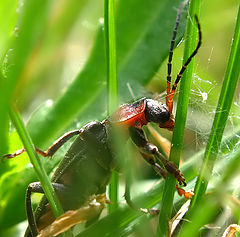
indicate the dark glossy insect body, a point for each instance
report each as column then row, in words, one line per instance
column 87, row 166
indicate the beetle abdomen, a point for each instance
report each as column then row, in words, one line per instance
column 85, row 170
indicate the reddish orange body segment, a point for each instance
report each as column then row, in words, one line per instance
column 137, row 121
column 130, row 115
column 181, row 192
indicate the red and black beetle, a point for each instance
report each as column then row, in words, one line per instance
column 142, row 112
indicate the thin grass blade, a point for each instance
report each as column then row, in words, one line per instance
column 221, row 116
column 46, row 184
column 112, row 82
column 181, row 115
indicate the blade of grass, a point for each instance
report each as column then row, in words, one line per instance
column 112, row 82
column 4, row 123
column 63, row 17
column 37, row 164
column 111, row 59
column 21, row 47
column 7, row 14
column 221, row 115
column 31, row 20
column 46, row 184
column 181, row 115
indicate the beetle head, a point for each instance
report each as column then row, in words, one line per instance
column 159, row 113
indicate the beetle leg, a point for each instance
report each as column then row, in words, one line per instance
column 59, row 142
column 30, row 216
column 37, row 188
column 51, row 150
column 150, row 151
column 171, row 168
column 150, row 160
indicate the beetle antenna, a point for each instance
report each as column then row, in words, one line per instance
column 170, row 95
column 173, row 40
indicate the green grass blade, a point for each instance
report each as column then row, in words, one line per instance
column 111, row 57
column 112, row 82
column 181, row 115
column 46, row 184
column 32, row 13
column 8, row 14
column 37, row 164
column 221, row 115
column 4, row 122
column 21, row 46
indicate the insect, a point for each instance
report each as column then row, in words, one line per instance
column 86, row 168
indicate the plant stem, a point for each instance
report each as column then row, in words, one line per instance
column 111, row 61
column 181, row 115
column 42, row 175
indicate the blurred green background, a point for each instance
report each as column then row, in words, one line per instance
column 53, row 52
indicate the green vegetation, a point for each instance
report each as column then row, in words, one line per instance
column 54, row 70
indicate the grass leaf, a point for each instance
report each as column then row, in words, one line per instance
column 221, row 116
column 181, row 115
column 112, row 82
